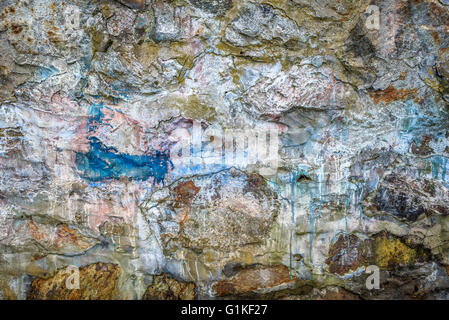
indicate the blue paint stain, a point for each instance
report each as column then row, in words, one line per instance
column 44, row 73
column 356, row 273
column 314, row 209
column 439, row 164
column 102, row 162
column 123, row 94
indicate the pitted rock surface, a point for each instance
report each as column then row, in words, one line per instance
column 194, row 149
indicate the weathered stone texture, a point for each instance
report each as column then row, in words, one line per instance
column 253, row 279
column 166, row 288
column 97, row 282
column 194, row 149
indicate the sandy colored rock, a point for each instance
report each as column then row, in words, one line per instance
column 256, row 149
column 96, row 282
column 166, row 288
column 252, row 279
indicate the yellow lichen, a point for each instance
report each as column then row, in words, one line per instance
column 433, row 84
column 391, row 252
column 192, row 107
column 7, row 293
column 106, row 10
column 146, row 53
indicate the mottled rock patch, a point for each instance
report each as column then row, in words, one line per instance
column 97, row 97
column 252, row 279
column 350, row 253
column 97, row 282
column 166, row 288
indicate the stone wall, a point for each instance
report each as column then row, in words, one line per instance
column 221, row 149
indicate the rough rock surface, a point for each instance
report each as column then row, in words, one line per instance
column 96, row 282
column 124, row 149
column 166, row 288
column 252, row 279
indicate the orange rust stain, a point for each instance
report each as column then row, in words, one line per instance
column 16, row 28
column 436, row 36
column 35, row 231
column 66, row 235
column 249, row 280
column 37, row 257
column 185, row 192
column 391, row 94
